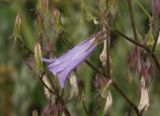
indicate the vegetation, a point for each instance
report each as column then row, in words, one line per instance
column 120, row 77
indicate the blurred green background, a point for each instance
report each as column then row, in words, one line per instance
column 21, row 93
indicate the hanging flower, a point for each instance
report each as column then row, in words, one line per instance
column 62, row 66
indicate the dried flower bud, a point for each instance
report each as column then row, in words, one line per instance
column 145, row 70
column 155, row 8
column 100, row 81
column 56, row 20
column 144, row 100
column 53, row 109
column 108, row 103
column 156, row 14
column 158, row 41
column 17, row 27
column 47, row 93
column 134, row 59
column 74, row 85
column 38, row 57
column 18, row 21
column 40, row 24
column 103, row 56
column 114, row 7
column 46, row 2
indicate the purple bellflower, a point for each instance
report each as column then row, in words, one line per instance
column 62, row 66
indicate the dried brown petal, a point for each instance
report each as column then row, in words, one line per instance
column 74, row 85
column 134, row 59
column 144, row 100
column 47, row 93
column 52, row 109
column 108, row 103
column 155, row 7
column 103, row 56
column 99, row 81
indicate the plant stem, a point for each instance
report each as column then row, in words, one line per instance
column 155, row 42
column 142, row 46
column 44, row 84
column 132, row 18
column 126, row 98
column 131, row 40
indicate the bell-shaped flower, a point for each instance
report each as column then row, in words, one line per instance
column 62, row 66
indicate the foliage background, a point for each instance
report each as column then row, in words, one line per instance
column 21, row 93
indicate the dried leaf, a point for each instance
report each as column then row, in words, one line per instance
column 17, row 28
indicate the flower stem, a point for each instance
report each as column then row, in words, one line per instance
column 132, row 18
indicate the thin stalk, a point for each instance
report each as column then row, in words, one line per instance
column 131, row 40
column 156, row 40
column 132, row 18
column 144, row 10
column 126, row 98
column 142, row 46
column 108, row 56
column 85, row 109
column 46, row 86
